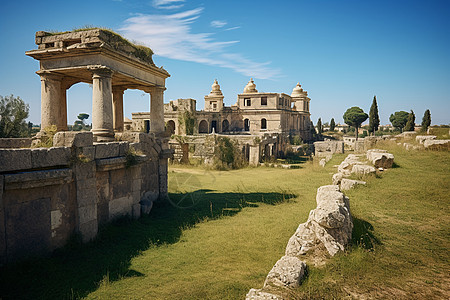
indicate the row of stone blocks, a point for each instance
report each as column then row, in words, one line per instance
column 74, row 187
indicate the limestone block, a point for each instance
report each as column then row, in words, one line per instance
column 49, row 157
column 27, row 180
column 87, row 213
column 120, row 207
column 15, row 159
column 322, row 162
column 106, row 150
column 363, row 169
column 346, row 166
column 88, row 230
column 288, row 271
column 73, row 139
column 422, row 138
column 437, row 144
column 337, row 178
column 330, row 224
column 86, row 196
column 84, row 170
column 15, row 143
column 381, row 160
column 258, row 294
column 347, row 184
column 123, row 148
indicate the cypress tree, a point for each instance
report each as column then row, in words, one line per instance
column 319, row 127
column 410, row 124
column 374, row 119
column 332, row 124
column 426, row 120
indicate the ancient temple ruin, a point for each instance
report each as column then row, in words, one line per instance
column 86, row 179
column 107, row 61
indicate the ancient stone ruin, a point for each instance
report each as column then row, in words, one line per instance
column 86, row 179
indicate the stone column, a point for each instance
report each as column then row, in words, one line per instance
column 50, row 100
column 102, row 112
column 118, row 108
column 157, row 109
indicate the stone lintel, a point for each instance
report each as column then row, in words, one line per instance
column 34, row 179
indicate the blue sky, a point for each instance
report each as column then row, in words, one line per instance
column 342, row 52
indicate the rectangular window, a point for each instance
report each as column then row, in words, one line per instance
column 247, row 102
column 280, row 102
column 263, row 100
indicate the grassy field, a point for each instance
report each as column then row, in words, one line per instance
column 225, row 230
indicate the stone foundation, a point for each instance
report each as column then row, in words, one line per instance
column 49, row 194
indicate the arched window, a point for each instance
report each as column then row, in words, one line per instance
column 171, row 127
column 246, row 125
column 263, row 124
column 225, row 125
column 203, row 127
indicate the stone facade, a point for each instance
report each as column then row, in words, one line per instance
column 49, row 194
column 254, row 113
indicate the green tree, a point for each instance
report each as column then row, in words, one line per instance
column 313, row 131
column 411, row 122
column 399, row 119
column 426, row 120
column 319, row 127
column 13, row 112
column 374, row 119
column 354, row 116
column 332, row 124
column 79, row 124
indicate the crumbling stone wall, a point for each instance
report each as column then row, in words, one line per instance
column 49, row 194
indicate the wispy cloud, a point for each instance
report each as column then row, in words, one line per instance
column 218, row 24
column 168, row 4
column 232, row 28
column 171, row 36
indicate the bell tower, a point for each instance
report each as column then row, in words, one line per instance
column 214, row 101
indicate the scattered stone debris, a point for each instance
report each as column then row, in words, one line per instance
column 288, row 271
column 347, row 184
column 258, row 294
column 422, row 138
column 436, row 144
column 380, row 158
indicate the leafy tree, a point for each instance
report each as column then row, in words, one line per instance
column 13, row 112
column 374, row 119
column 354, row 116
column 332, row 124
column 79, row 124
column 319, row 127
column 411, row 121
column 399, row 119
column 426, row 120
column 313, row 131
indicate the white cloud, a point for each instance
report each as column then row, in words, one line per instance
column 218, row 24
column 232, row 28
column 167, row 4
column 171, row 36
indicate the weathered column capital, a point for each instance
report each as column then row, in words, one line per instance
column 119, row 89
column 47, row 75
column 100, row 71
column 155, row 89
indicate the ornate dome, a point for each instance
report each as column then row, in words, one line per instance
column 215, row 89
column 250, row 87
column 298, row 91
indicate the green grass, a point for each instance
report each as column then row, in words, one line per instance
column 231, row 227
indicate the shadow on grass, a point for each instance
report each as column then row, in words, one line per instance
column 363, row 236
column 78, row 269
column 395, row 165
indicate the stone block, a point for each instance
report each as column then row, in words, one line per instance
column 258, row 294
column 87, row 213
column 347, row 184
column 86, row 196
column 50, row 157
column 73, row 139
column 88, row 230
column 33, row 179
column 288, row 271
column 106, row 150
column 84, row 170
column 363, row 169
column 15, row 159
column 123, row 148
column 437, row 144
column 120, row 207
column 422, row 138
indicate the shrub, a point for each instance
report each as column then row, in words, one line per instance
column 227, row 154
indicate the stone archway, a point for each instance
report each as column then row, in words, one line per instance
column 203, row 126
column 225, row 126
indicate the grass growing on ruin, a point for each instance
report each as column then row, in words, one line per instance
column 239, row 227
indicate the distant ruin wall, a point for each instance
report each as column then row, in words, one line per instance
column 48, row 194
column 328, row 148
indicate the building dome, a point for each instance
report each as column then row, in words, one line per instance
column 215, row 89
column 250, row 87
column 298, row 91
